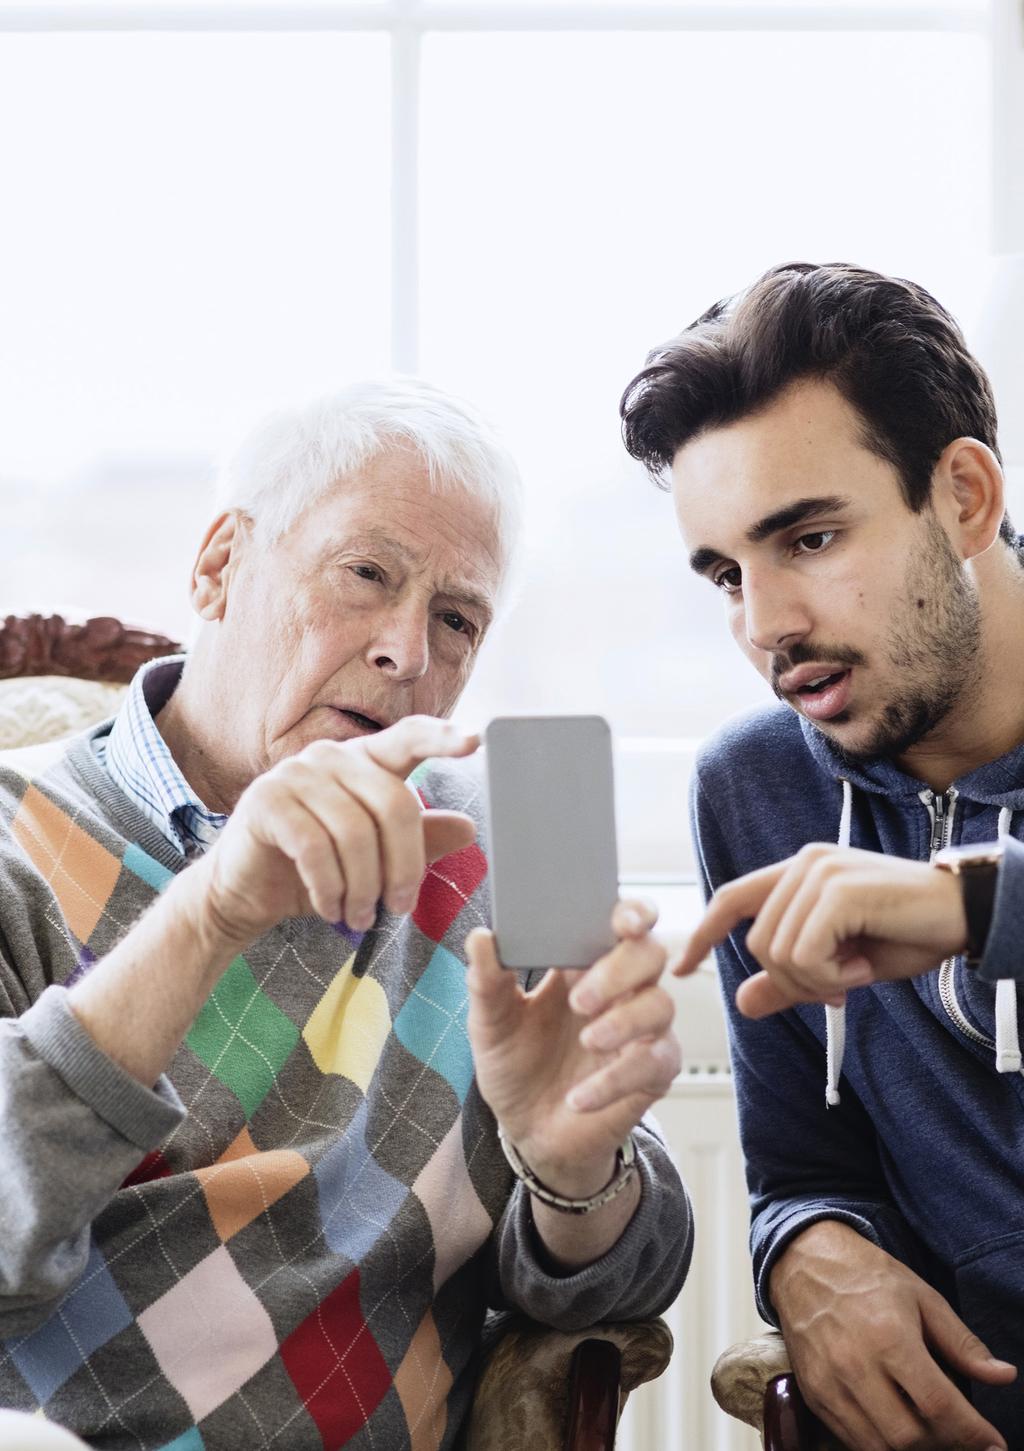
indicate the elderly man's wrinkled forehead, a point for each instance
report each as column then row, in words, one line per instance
column 404, row 522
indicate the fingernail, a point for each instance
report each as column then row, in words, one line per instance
column 600, row 1035
column 404, row 902
column 580, row 1099
column 632, row 920
column 584, row 999
column 664, row 1050
column 855, row 976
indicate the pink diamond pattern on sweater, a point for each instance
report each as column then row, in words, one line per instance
column 209, row 1333
column 459, row 1222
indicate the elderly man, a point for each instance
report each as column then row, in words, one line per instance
column 252, row 1190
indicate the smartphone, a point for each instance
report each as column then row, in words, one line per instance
column 554, row 864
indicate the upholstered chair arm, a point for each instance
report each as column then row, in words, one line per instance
column 530, row 1397
column 754, row 1382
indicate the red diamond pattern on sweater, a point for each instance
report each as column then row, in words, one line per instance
column 336, row 1366
column 447, row 887
column 153, row 1166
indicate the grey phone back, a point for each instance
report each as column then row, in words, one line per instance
column 554, row 866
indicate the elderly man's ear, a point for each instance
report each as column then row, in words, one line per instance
column 211, row 570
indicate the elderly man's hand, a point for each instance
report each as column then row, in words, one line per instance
column 870, row 1343
column 333, row 830
column 833, row 918
column 569, row 1068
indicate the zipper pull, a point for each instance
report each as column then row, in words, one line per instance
column 938, row 820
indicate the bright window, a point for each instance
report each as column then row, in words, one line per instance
column 204, row 221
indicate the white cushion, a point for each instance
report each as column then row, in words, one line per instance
column 37, row 708
column 21, row 1432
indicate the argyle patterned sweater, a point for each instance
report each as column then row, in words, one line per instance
column 292, row 1240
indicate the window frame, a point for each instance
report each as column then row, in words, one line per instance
column 643, row 761
column 407, row 22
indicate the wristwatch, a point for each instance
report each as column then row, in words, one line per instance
column 978, row 869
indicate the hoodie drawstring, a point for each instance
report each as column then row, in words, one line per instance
column 835, row 1018
column 1008, row 1054
column 1008, row 1058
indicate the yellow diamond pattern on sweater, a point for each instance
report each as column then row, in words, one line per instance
column 347, row 1029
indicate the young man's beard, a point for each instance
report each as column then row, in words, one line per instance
column 931, row 648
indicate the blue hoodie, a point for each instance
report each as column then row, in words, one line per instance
column 924, row 1151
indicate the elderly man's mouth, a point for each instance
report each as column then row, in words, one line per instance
column 366, row 723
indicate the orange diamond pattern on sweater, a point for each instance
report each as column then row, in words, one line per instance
column 68, row 858
column 423, row 1382
column 245, row 1181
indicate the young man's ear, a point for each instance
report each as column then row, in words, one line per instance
column 968, row 493
column 211, row 571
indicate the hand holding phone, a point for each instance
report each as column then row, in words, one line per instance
column 554, row 864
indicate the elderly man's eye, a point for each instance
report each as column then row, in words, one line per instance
column 368, row 571
column 457, row 622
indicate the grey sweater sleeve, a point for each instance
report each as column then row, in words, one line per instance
column 75, row 1124
column 639, row 1276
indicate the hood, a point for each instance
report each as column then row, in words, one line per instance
column 998, row 783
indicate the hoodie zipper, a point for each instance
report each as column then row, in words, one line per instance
column 941, row 809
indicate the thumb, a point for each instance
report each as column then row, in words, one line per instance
column 758, row 997
column 494, row 992
column 445, row 832
column 959, row 1346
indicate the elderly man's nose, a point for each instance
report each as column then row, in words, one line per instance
column 402, row 648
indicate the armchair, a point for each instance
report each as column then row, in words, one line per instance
column 537, row 1389
column 754, row 1382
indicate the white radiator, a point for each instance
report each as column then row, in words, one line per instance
column 716, row 1307
column 698, row 1116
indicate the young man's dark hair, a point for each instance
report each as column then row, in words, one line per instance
column 893, row 352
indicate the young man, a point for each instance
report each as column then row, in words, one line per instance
column 832, row 451
column 252, row 1188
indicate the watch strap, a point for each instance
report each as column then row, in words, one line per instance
column 978, row 882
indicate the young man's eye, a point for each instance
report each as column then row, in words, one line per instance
column 816, row 542
column 728, row 580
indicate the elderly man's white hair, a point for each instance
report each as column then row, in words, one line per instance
column 286, row 463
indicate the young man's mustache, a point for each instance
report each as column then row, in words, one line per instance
column 803, row 654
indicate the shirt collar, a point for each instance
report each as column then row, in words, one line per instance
column 140, row 762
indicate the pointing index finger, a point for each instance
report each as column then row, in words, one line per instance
column 730, row 905
column 408, row 743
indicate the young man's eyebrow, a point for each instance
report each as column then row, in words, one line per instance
column 701, row 560
column 795, row 513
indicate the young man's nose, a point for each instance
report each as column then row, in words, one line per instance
column 773, row 618
column 401, row 644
